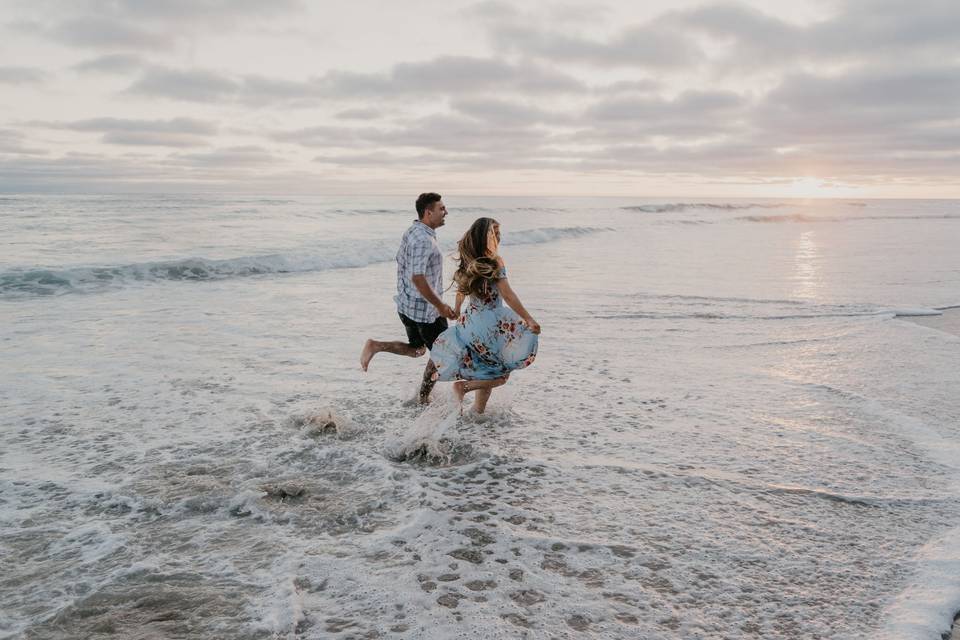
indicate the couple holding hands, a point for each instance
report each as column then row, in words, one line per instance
column 487, row 340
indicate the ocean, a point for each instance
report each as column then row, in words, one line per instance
column 730, row 431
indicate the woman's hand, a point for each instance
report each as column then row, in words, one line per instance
column 533, row 325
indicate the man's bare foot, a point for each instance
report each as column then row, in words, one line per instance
column 369, row 350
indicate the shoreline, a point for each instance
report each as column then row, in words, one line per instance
column 948, row 322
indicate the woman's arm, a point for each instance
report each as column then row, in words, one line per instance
column 510, row 297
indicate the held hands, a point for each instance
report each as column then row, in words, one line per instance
column 446, row 311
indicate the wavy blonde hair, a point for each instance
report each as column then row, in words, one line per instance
column 476, row 270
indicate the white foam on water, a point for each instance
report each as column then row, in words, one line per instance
column 433, row 434
column 282, row 614
column 908, row 313
column 92, row 542
column 926, row 608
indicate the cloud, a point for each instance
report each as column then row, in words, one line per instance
column 490, row 10
column 22, row 75
column 644, row 85
column 654, row 109
column 107, row 33
column 175, row 132
column 173, row 125
column 717, row 90
column 452, row 75
column 12, row 142
column 139, row 25
column 507, row 112
column 359, row 114
column 111, row 63
column 885, row 29
column 326, row 136
column 860, row 32
column 230, row 157
column 459, row 134
column 447, row 135
column 447, row 75
column 259, row 90
column 435, row 160
column 188, row 85
column 217, row 13
column 71, row 169
column 873, row 101
column 643, row 46
column 755, row 37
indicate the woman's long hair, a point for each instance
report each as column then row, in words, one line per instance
column 476, row 270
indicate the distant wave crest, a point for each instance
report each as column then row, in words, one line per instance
column 30, row 282
column 672, row 207
column 802, row 217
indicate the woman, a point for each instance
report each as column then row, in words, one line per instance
column 488, row 340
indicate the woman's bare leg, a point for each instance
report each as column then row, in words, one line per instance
column 482, row 387
column 480, row 400
column 373, row 347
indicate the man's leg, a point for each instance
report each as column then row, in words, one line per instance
column 426, row 385
column 412, row 348
column 373, row 347
column 429, row 334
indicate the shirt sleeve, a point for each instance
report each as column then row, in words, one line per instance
column 420, row 251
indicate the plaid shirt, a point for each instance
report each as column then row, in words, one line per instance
column 419, row 254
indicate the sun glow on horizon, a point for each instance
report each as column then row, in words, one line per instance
column 812, row 187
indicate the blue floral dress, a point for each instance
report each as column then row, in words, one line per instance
column 487, row 341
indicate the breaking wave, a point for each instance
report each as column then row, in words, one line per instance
column 801, row 217
column 30, row 282
column 672, row 207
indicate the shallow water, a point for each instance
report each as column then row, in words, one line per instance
column 727, row 434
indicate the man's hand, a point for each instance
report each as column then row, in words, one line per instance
column 420, row 282
column 446, row 311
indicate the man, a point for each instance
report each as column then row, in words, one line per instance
column 419, row 287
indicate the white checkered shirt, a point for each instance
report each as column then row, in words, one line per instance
column 419, row 254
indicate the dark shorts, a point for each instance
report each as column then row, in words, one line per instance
column 422, row 334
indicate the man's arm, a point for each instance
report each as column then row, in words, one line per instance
column 420, row 282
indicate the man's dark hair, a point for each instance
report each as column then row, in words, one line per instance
column 425, row 200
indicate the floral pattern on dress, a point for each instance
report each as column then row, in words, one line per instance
column 487, row 341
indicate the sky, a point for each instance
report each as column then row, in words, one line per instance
column 806, row 98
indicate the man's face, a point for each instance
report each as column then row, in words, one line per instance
column 434, row 215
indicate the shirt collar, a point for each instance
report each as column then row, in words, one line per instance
column 426, row 228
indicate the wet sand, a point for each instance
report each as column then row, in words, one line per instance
column 948, row 322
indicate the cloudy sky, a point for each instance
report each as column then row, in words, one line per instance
column 750, row 98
